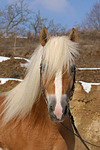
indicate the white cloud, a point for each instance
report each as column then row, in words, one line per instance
column 61, row 8
column 53, row 5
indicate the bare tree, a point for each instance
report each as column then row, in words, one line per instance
column 12, row 16
column 37, row 23
column 55, row 29
column 92, row 21
column 16, row 18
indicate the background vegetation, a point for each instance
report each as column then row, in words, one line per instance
column 18, row 19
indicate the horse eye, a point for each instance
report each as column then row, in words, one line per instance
column 73, row 69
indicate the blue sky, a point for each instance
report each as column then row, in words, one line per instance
column 65, row 12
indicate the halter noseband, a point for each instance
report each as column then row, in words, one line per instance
column 43, row 91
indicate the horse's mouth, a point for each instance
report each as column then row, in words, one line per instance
column 54, row 118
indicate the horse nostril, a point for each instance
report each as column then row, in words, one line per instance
column 51, row 108
column 51, row 103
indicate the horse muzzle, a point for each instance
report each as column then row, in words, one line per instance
column 58, row 110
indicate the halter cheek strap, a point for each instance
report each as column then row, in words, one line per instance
column 68, row 102
column 72, row 91
column 41, row 84
column 43, row 91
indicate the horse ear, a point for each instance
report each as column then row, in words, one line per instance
column 73, row 35
column 44, row 36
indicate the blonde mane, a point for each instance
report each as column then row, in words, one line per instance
column 57, row 53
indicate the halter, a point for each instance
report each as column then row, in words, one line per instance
column 68, row 102
column 41, row 83
column 43, row 91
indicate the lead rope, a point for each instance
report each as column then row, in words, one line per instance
column 73, row 124
column 97, row 146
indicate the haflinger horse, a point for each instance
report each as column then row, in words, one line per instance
column 30, row 114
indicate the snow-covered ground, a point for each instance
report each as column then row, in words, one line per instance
column 2, row 58
column 22, row 58
column 22, row 65
column 86, row 86
column 4, row 80
column 88, row 68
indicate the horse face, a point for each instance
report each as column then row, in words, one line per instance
column 58, row 92
column 59, row 89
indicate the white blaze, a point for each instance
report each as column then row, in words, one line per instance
column 58, row 86
column 58, row 94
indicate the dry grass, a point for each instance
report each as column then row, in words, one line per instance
column 89, row 44
column 24, row 47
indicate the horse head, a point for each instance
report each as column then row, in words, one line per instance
column 57, row 72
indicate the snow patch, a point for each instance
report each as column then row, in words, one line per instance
column 4, row 80
column 87, row 86
column 22, row 58
column 2, row 58
column 88, row 68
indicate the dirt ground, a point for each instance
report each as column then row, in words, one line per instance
column 85, row 107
